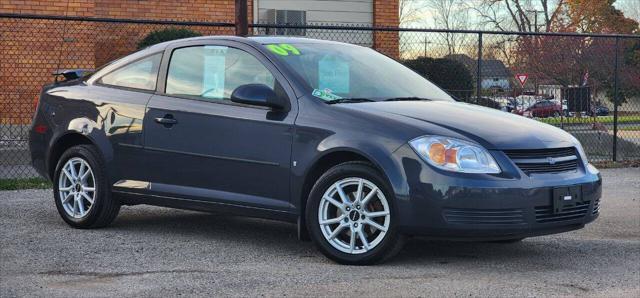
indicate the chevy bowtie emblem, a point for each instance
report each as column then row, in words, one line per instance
column 551, row 160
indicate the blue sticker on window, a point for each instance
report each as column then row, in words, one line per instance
column 213, row 75
column 333, row 74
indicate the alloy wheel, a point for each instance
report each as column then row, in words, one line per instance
column 354, row 215
column 77, row 187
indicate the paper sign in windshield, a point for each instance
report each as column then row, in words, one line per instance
column 213, row 74
column 333, row 74
column 325, row 95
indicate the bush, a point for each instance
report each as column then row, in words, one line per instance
column 168, row 34
column 446, row 73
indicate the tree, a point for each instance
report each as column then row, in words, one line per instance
column 522, row 15
column 448, row 74
column 598, row 16
column 411, row 11
column 167, row 34
column 564, row 60
column 451, row 15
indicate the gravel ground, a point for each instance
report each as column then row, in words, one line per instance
column 151, row 251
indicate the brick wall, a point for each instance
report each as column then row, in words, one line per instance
column 30, row 50
column 49, row 7
column 386, row 14
column 27, row 53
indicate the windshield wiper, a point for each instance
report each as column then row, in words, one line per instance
column 412, row 98
column 349, row 100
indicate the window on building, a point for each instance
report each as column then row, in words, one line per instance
column 285, row 17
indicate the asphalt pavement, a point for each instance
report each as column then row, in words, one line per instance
column 152, row 251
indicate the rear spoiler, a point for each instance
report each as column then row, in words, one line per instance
column 71, row 74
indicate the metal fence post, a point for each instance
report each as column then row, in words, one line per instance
column 479, row 70
column 242, row 26
column 615, row 103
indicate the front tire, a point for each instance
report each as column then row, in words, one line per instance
column 81, row 189
column 350, row 215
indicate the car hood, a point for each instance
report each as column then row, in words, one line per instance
column 491, row 128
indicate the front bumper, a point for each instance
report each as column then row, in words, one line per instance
column 511, row 205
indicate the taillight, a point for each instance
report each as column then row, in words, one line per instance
column 40, row 129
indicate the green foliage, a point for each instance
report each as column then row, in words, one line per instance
column 632, row 53
column 14, row 184
column 446, row 73
column 168, row 34
column 628, row 119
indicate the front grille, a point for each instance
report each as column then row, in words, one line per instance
column 540, row 161
column 484, row 217
column 545, row 213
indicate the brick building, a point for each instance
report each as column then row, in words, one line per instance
column 31, row 49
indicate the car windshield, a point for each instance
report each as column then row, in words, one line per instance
column 341, row 73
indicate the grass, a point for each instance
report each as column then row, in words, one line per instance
column 24, row 183
column 616, row 164
column 601, row 119
column 630, row 128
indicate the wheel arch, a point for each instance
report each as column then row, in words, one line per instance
column 61, row 144
column 323, row 163
column 336, row 156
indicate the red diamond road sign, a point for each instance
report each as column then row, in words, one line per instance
column 522, row 78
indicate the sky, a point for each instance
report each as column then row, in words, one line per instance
column 630, row 8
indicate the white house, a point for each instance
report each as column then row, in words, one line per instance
column 346, row 12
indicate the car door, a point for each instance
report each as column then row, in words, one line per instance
column 202, row 146
column 121, row 96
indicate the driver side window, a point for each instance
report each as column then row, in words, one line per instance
column 213, row 72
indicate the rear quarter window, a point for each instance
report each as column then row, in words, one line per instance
column 141, row 74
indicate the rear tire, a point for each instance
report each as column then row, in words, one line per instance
column 81, row 189
column 350, row 215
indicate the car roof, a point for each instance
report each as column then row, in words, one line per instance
column 267, row 39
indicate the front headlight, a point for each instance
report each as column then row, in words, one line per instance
column 455, row 155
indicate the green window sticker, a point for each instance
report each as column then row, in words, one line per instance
column 290, row 48
column 325, row 95
column 283, row 49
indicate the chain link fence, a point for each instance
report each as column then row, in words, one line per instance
column 565, row 80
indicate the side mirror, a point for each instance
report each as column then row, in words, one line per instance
column 258, row 95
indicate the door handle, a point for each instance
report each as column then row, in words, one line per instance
column 167, row 120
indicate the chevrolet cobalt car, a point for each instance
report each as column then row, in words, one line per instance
column 357, row 150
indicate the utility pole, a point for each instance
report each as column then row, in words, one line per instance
column 242, row 26
column 535, row 18
column 426, row 42
column 615, row 103
column 479, row 70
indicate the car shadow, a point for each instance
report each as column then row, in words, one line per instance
column 280, row 239
column 204, row 226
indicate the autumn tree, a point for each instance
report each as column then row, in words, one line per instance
column 564, row 60
column 598, row 16
column 521, row 15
